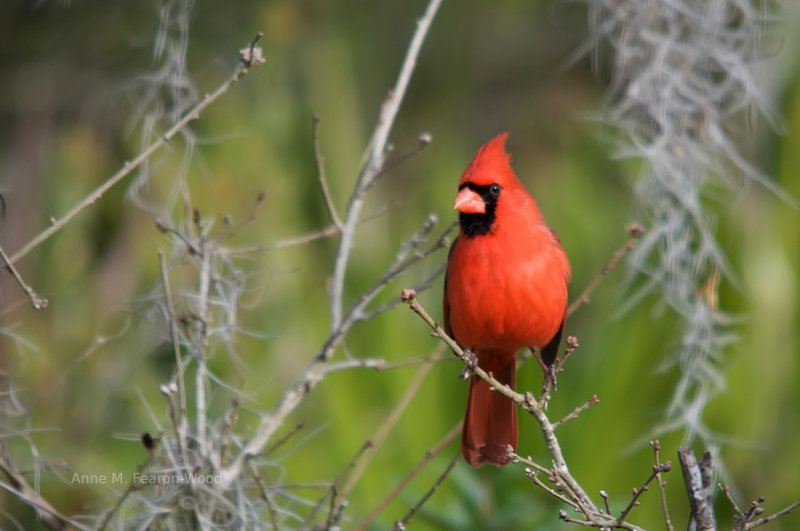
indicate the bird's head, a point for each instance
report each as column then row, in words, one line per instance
column 485, row 182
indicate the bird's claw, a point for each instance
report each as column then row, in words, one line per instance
column 550, row 378
column 470, row 362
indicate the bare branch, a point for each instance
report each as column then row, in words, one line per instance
column 527, row 402
column 242, row 68
column 323, row 182
column 700, row 501
column 18, row 486
column 575, row 412
column 766, row 519
column 373, row 165
column 429, row 455
column 401, row 525
column 181, row 427
column 37, row 302
column 635, row 232
column 656, row 472
column 390, row 421
column 656, row 446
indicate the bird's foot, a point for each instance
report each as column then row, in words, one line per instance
column 550, row 379
column 470, row 362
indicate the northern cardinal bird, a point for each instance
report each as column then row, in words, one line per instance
column 505, row 289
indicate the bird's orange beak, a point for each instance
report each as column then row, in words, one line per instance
column 469, row 202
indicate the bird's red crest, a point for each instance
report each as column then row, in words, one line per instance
column 490, row 164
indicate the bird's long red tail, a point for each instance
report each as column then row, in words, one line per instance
column 490, row 424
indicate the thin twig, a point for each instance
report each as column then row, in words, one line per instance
column 575, row 412
column 330, row 230
column 332, row 491
column 532, row 472
column 37, row 302
column 635, row 232
column 389, row 422
column 20, row 488
column 323, row 181
column 242, row 68
column 766, row 519
column 181, row 426
column 429, row 455
column 656, row 446
column 402, row 523
column 273, row 512
column 374, row 163
column 317, row 367
column 527, row 402
column 132, row 486
column 200, row 340
column 656, row 471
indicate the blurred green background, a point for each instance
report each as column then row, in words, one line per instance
column 77, row 369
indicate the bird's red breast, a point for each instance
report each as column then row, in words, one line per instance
column 505, row 289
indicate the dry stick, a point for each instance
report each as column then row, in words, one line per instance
column 742, row 520
column 578, row 410
column 37, row 302
column 402, row 524
column 429, row 455
column 739, row 516
column 20, row 488
column 331, row 491
column 330, row 230
column 389, row 423
column 532, row 471
column 766, row 519
column 373, row 164
column 201, row 342
column 702, row 508
column 242, row 68
column 656, row 472
column 132, row 486
column 656, row 446
column 180, row 426
column 323, row 181
column 317, row 368
column 273, row 512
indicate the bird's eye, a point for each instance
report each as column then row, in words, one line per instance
column 495, row 189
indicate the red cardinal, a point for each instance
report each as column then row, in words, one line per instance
column 505, row 289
